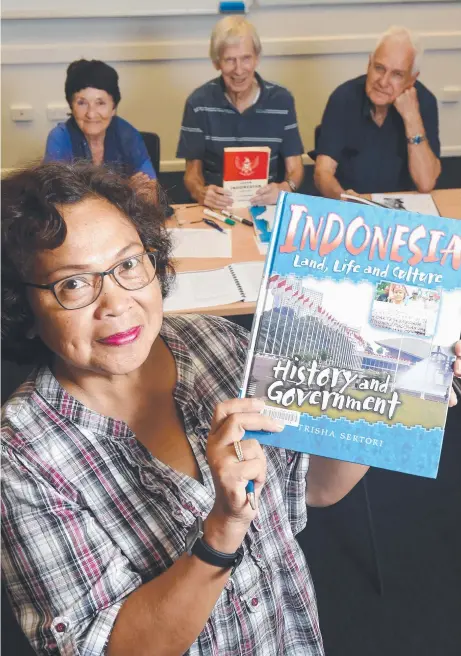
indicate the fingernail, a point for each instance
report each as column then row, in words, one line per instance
column 279, row 426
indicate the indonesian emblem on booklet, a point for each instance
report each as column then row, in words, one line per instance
column 352, row 342
column 245, row 171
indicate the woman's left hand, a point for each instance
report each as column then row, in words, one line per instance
column 457, row 371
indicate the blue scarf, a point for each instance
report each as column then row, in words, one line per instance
column 115, row 155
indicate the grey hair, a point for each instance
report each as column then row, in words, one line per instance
column 228, row 32
column 402, row 34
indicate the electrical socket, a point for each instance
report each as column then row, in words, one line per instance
column 20, row 113
column 450, row 94
column 57, row 112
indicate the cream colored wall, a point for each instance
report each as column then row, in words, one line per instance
column 308, row 49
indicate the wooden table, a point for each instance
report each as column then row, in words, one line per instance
column 244, row 247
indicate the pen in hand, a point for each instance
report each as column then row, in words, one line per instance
column 250, row 490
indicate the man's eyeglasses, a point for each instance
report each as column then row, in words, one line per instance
column 82, row 289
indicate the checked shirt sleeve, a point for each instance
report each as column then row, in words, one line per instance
column 65, row 578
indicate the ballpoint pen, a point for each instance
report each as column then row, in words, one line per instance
column 212, row 224
column 250, row 490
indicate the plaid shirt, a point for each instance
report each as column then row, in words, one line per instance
column 89, row 515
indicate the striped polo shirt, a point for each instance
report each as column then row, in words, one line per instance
column 212, row 123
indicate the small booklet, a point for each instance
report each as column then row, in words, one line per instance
column 420, row 203
column 352, row 341
column 202, row 289
column 245, row 171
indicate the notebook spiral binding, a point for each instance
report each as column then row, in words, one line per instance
column 237, row 282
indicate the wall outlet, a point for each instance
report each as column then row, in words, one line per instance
column 22, row 112
column 450, row 94
column 57, row 112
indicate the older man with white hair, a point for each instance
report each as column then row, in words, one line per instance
column 238, row 109
column 379, row 131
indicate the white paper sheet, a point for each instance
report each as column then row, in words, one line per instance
column 190, row 242
column 421, row 203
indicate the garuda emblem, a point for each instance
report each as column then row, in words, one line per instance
column 246, row 167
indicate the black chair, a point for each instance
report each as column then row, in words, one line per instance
column 152, row 142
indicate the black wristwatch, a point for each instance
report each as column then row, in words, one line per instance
column 195, row 545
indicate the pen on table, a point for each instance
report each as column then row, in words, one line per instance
column 212, row 224
column 250, row 486
column 237, row 218
column 218, row 217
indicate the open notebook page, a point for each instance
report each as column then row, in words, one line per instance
column 249, row 275
column 201, row 289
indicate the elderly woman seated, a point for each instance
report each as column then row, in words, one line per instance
column 125, row 516
column 94, row 132
column 238, row 109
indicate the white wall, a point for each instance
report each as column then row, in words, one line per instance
column 309, row 49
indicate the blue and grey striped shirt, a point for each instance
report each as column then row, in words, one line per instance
column 211, row 123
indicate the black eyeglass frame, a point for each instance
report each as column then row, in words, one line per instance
column 110, row 272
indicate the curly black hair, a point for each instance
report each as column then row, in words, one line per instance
column 31, row 222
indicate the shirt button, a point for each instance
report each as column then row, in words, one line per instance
column 60, row 628
column 255, row 601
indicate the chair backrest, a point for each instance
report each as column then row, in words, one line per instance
column 152, row 142
column 313, row 153
column 317, row 136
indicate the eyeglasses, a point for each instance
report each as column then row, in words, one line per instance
column 82, row 289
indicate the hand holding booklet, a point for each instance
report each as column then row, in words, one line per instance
column 352, row 341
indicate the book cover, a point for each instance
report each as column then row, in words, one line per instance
column 245, row 171
column 352, row 342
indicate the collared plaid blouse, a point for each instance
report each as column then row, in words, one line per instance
column 89, row 515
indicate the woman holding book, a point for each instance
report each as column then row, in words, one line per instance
column 125, row 516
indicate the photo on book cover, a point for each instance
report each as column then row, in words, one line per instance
column 352, row 345
column 405, row 308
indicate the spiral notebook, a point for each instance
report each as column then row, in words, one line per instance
column 202, row 289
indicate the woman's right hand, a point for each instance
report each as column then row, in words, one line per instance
column 228, row 521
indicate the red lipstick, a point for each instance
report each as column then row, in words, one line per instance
column 121, row 339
